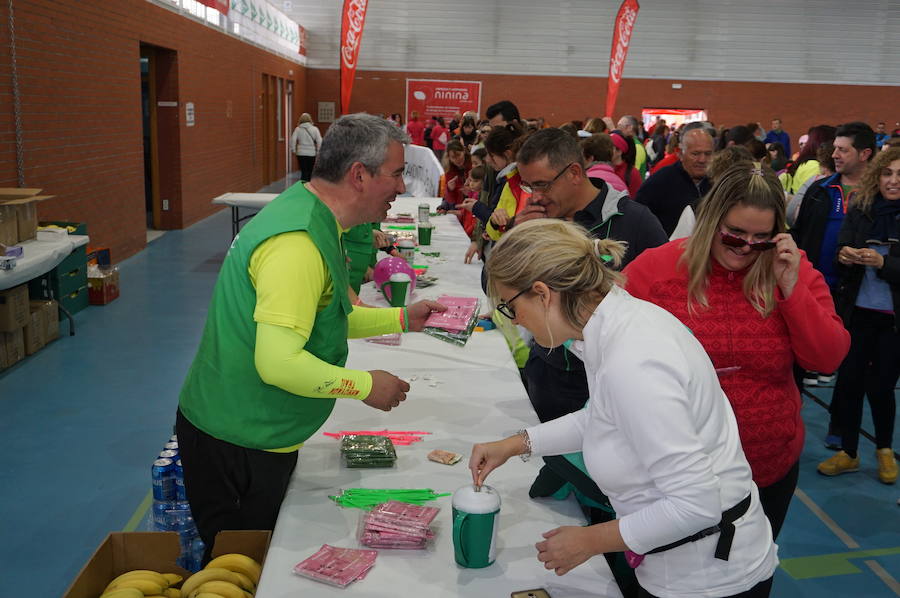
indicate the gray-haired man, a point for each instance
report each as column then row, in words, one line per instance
column 671, row 189
column 271, row 360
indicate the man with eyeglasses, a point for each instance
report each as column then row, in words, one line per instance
column 552, row 168
column 271, row 360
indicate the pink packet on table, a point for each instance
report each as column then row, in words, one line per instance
column 391, row 340
column 460, row 311
column 420, row 514
column 337, row 566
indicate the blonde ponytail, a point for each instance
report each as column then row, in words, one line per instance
column 563, row 256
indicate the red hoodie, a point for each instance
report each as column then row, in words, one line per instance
column 763, row 394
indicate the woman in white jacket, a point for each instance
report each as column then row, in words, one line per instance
column 305, row 142
column 657, row 433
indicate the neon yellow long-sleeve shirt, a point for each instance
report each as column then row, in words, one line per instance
column 292, row 285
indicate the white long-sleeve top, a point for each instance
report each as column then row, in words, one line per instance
column 306, row 140
column 660, row 439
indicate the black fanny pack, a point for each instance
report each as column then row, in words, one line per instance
column 725, row 529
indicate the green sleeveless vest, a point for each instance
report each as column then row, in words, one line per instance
column 223, row 394
column 360, row 253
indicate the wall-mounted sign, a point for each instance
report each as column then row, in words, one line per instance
column 431, row 97
column 326, row 112
column 189, row 113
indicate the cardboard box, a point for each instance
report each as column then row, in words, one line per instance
column 12, row 348
column 14, row 308
column 7, row 193
column 104, row 287
column 9, row 225
column 36, row 330
column 26, row 215
column 24, row 203
column 51, row 317
column 121, row 552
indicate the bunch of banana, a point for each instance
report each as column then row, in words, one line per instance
column 141, row 583
column 228, row 576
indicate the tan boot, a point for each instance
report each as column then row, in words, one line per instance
column 887, row 465
column 839, row 463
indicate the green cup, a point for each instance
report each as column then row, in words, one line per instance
column 425, row 229
column 475, row 521
column 399, row 284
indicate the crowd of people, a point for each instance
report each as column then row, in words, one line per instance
column 780, row 259
column 677, row 286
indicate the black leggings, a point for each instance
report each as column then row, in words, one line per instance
column 229, row 486
column 760, row 590
column 871, row 369
column 306, row 164
column 776, row 498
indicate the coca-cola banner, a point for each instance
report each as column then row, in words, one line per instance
column 304, row 40
column 220, row 5
column 624, row 27
column 431, row 97
column 352, row 22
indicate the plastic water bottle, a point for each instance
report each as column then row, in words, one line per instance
column 163, row 476
column 179, row 482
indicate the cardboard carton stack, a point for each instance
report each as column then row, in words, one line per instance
column 14, row 316
column 25, row 326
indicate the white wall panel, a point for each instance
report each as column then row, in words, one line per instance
column 810, row 41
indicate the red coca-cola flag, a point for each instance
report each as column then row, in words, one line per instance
column 625, row 19
column 352, row 21
column 220, row 5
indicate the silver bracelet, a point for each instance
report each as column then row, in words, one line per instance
column 527, row 440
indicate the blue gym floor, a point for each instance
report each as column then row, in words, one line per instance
column 84, row 418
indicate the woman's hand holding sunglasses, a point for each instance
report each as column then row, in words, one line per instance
column 787, row 263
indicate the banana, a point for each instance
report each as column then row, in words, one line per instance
column 146, row 586
column 142, row 574
column 209, row 574
column 172, row 593
column 172, row 578
column 223, row 588
column 208, row 595
column 246, row 582
column 123, row 593
column 239, row 563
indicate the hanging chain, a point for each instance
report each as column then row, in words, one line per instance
column 17, row 103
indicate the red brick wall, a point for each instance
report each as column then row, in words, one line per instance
column 79, row 73
column 559, row 99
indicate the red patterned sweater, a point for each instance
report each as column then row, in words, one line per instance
column 803, row 328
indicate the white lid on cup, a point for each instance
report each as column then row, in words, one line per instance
column 485, row 500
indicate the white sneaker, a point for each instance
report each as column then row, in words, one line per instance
column 810, row 379
column 826, row 378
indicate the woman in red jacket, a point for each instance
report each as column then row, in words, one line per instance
column 757, row 305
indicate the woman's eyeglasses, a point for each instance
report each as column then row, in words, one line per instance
column 735, row 241
column 505, row 307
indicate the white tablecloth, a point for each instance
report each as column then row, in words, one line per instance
column 39, row 258
column 478, row 397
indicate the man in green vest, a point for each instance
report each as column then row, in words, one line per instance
column 271, row 359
